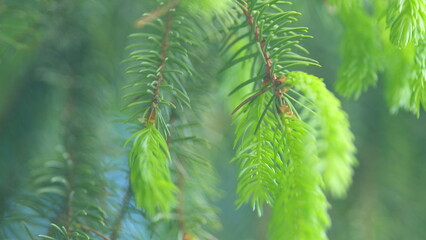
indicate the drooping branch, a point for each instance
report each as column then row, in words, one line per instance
column 119, row 219
column 161, row 66
column 270, row 76
column 143, row 21
column 180, row 183
column 66, row 211
column 70, row 148
column 94, row 231
column 251, row 98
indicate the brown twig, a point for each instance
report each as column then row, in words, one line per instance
column 270, row 76
column 163, row 53
column 251, row 98
column 94, row 231
column 144, row 20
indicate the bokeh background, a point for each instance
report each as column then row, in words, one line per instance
column 60, row 77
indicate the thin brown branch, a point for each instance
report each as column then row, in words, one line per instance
column 94, row 231
column 161, row 66
column 144, row 20
column 270, row 76
column 251, row 98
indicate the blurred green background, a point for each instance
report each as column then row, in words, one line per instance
column 61, row 71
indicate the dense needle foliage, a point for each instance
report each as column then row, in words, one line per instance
column 84, row 90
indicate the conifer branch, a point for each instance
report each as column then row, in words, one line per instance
column 180, row 183
column 247, row 100
column 170, row 66
column 259, row 125
column 193, row 210
column 161, row 66
column 94, row 231
column 300, row 210
column 270, row 76
column 67, row 210
column 70, row 108
column 336, row 149
column 124, row 204
column 196, row 182
column 74, row 184
column 160, row 11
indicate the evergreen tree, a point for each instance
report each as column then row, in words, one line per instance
column 74, row 90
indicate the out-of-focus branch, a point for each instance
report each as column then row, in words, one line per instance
column 144, row 20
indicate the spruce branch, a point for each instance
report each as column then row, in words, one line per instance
column 118, row 220
column 93, row 231
column 196, row 182
column 406, row 20
column 259, row 165
column 76, row 169
column 261, row 41
column 67, row 209
column 418, row 79
column 270, row 75
column 252, row 97
column 300, row 210
column 259, row 121
column 160, row 11
column 170, row 68
column 182, row 177
column 269, row 128
column 336, row 149
column 150, row 174
column 161, row 66
column 386, row 40
column 361, row 50
column 180, row 183
column 274, row 43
